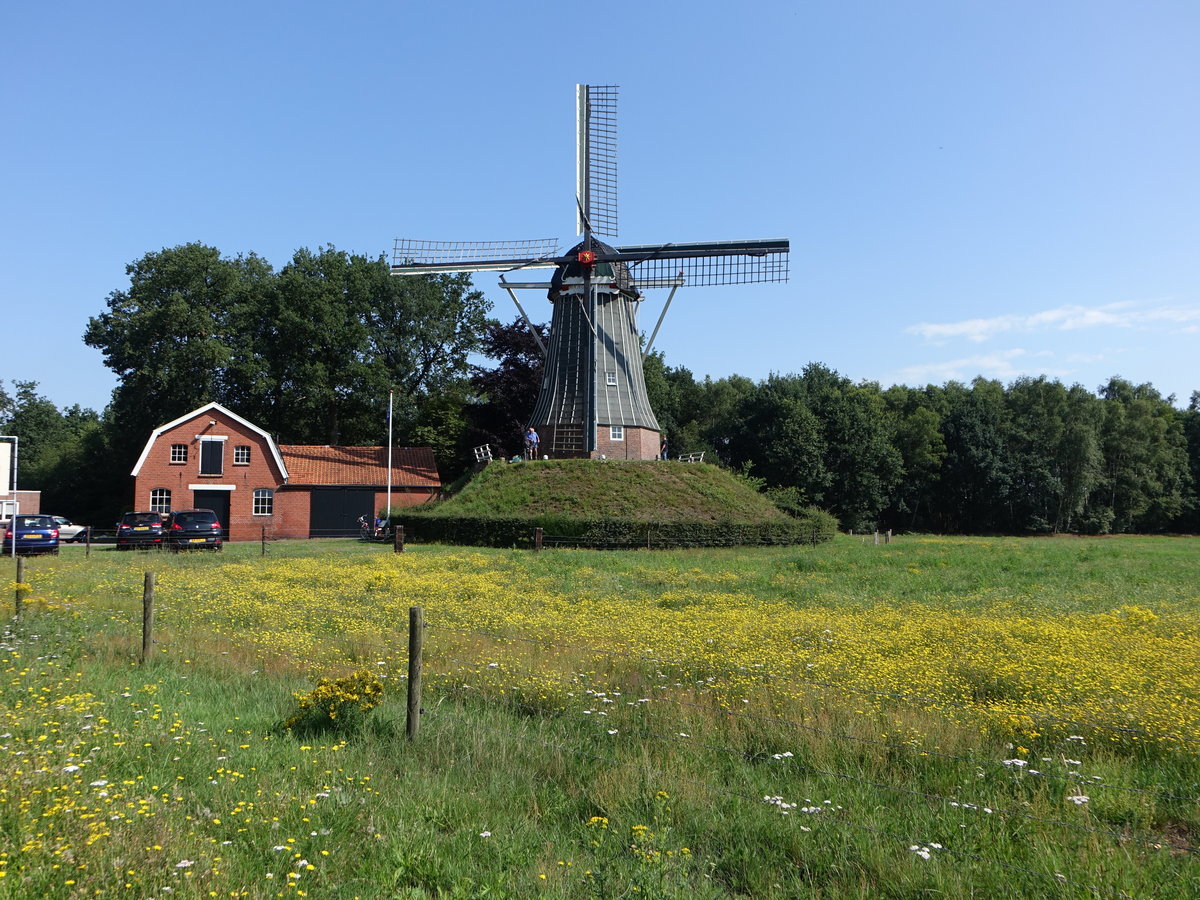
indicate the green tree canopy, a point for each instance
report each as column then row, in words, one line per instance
column 309, row 352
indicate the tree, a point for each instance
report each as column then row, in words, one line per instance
column 824, row 436
column 167, row 336
column 1054, row 452
column 861, row 455
column 60, row 451
column 309, row 352
column 976, row 475
column 1145, row 481
column 916, row 426
column 46, row 434
column 1190, row 418
column 504, row 396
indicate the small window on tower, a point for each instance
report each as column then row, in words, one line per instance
column 616, row 432
column 610, row 378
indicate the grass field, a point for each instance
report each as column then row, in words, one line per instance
column 957, row 717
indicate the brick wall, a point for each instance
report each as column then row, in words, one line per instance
column 639, row 443
column 240, row 479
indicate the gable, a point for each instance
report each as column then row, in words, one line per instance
column 206, row 416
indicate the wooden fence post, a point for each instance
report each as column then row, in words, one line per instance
column 537, row 539
column 264, row 540
column 87, row 537
column 20, row 598
column 147, row 615
column 398, row 539
column 416, row 626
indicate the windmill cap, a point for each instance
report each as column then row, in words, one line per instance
column 616, row 272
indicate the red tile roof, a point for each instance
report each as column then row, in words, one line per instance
column 326, row 465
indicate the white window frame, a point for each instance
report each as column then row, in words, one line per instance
column 240, row 451
column 616, row 432
column 264, row 502
column 160, row 500
column 610, row 379
column 179, row 454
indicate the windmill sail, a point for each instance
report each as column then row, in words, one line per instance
column 596, row 159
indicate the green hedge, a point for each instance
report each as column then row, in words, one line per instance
column 812, row 527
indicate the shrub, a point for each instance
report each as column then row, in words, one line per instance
column 336, row 704
column 812, row 527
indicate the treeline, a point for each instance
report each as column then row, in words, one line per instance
column 1034, row 456
column 311, row 350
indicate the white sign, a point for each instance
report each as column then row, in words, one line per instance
column 6, row 469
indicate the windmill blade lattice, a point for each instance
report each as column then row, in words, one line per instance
column 413, row 257
column 721, row 262
column 596, row 161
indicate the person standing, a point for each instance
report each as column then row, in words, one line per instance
column 531, row 443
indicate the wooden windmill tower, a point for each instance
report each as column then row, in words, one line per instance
column 593, row 398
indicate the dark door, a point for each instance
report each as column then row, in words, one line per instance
column 218, row 502
column 335, row 511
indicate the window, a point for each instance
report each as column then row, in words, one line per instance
column 241, row 455
column 616, row 432
column 179, row 453
column 264, row 502
column 160, row 500
column 610, row 378
column 212, row 457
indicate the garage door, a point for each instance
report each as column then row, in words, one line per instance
column 335, row 511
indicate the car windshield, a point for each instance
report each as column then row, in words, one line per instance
column 142, row 518
column 195, row 518
column 34, row 522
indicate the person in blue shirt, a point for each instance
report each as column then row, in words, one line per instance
column 531, row 443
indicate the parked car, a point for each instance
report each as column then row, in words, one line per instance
column 140, row 529
column 192, row 529
column 68, row 531
column 31, row 534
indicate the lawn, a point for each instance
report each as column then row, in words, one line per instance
column 1003, row 717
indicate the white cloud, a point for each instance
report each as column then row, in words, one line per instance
column 1063, row 318
column 1003, row 365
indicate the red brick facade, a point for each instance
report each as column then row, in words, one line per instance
column 635, row 443
column 241, row 462
column 29, row 502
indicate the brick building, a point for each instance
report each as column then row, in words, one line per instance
column 214, row 459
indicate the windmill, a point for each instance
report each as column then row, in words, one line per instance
column 593, row 398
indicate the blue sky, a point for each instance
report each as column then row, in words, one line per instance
column 970, row 188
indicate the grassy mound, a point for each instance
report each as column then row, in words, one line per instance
column 611, row 503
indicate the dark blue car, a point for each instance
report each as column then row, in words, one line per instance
column 140, row 529
column 33, row 534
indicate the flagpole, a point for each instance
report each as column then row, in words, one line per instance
column 389, row 489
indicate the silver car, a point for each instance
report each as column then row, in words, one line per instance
column 68, row 531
